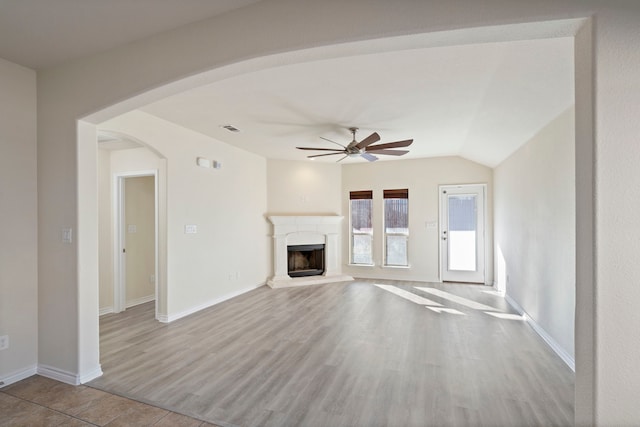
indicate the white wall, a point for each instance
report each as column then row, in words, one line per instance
column 18, row 222
column 105, row 236
column 607, row 377
column 535, row 229
column 616, row 267
column 422, row 177
column 230, row 252
column 303, row 188
column 585, row 320
column 110, row 163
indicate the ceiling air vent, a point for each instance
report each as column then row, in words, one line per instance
column 230, row 128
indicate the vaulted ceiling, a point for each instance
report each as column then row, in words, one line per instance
column 478, row 101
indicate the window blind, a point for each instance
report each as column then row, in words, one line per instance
column 360, row 195
column 396, row 194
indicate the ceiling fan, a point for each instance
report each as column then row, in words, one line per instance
column 362, row 148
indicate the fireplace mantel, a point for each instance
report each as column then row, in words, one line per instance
column 304, row 230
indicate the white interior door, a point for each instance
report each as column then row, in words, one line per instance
column 462, row 225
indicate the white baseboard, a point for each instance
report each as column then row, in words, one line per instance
column 164, row 318
column 141, row 300
column 58, row 374
column 51, row 372
column 18, row 376
column 566, row 357
column 129, row 304
column 90, row 375
column 105, row 310
column 68, row 377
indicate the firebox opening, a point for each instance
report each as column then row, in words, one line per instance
column 305, row 260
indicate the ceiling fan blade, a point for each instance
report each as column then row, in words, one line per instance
column 397, row 144
column 374, row 137
column 333, row 142
column 389, row 152
column 320, row 155
column 319, row 149
column 369, row 157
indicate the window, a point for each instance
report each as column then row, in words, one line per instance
column 396, row 227
column 361, row 203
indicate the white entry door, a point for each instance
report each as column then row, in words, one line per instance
column 462, row 233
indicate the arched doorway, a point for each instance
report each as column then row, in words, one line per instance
column 218, row 73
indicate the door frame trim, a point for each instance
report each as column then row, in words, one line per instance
column 119, row 237
column 484, row 231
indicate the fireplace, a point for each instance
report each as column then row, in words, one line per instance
column 305, row 260
column 315, row 243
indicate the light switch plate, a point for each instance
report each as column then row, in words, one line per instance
column 190, row 229
column 203, row 163
column 67, row 235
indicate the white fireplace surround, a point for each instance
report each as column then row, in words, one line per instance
column 306, row 230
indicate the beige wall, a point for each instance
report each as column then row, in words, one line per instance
column 422, row 177
column 607, row 379
column 303, row 188
column 227, row 205
column 535, row 229
column 18, row 222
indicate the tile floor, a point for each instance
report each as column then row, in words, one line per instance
column 40, row 401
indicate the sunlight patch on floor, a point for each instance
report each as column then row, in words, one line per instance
column 495, row 293
column 446, row 310
column 408, row 295
column 455, row 298
column 439, row 308
column 505, row 316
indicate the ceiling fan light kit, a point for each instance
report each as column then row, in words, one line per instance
column 363, row 149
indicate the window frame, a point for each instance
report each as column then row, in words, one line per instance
column 387, row 195
column 360, row 195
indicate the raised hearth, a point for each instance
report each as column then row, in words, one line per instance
column 301, row 231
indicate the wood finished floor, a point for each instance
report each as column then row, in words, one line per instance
column 343, row 354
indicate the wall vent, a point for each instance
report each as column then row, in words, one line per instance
column 230, row 128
